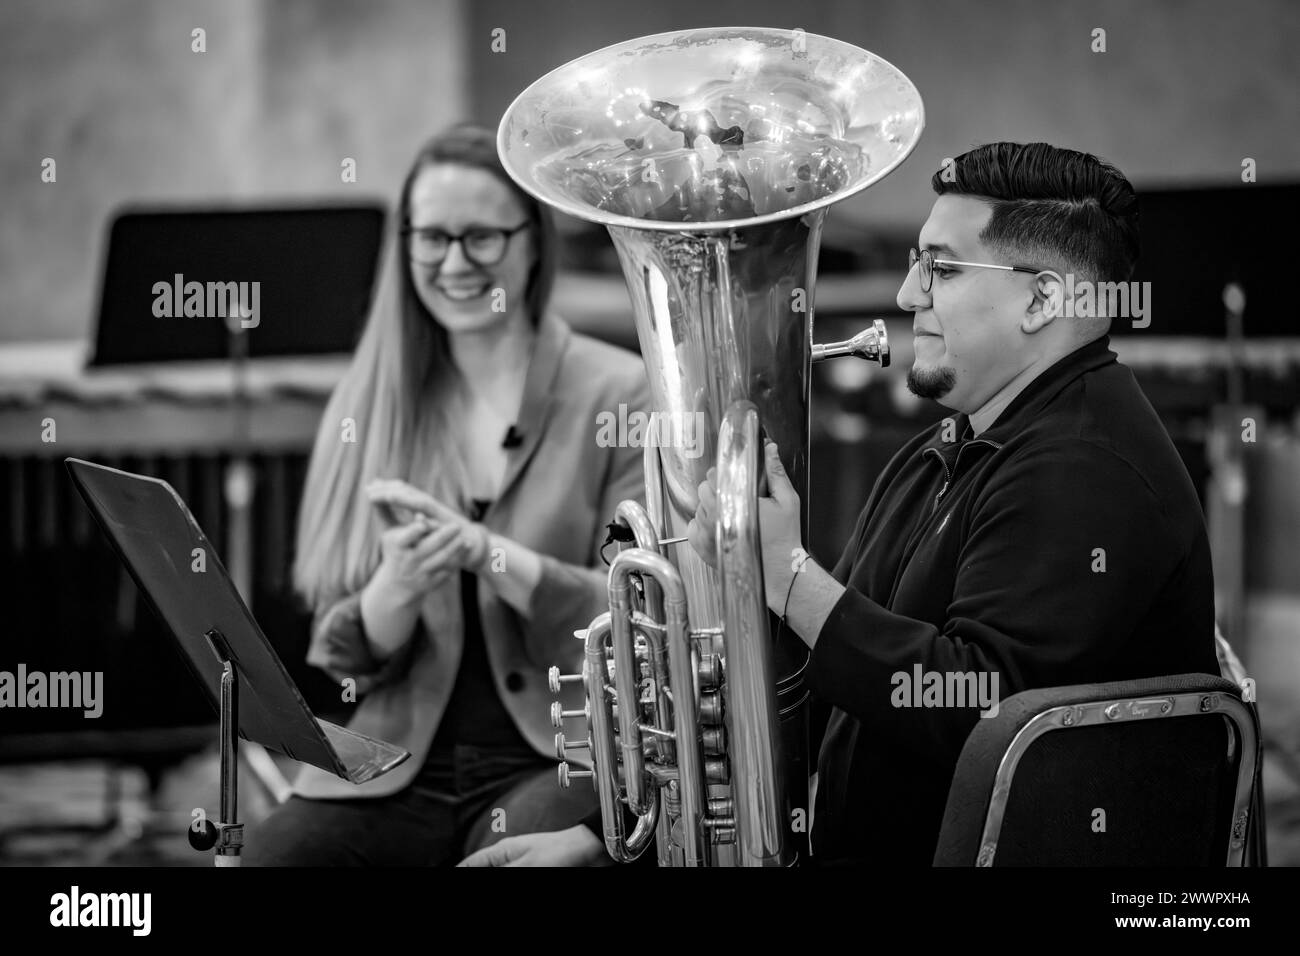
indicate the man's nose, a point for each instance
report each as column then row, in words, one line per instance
column 910, row 297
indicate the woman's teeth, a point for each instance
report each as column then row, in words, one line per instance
column 463, row 293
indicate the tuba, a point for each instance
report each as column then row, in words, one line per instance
column 712, row 157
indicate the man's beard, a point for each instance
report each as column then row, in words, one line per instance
column 931, row 382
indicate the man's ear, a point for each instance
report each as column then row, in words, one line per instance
column 1047, row 303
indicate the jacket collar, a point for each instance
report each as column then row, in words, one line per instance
column 534, row 411
column 1032, row 399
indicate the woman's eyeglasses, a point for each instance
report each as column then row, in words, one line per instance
column 928, row 262
column 481, row 245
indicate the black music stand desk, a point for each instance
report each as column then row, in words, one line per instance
column 178, row 570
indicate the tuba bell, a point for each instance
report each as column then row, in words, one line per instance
column 712, row 157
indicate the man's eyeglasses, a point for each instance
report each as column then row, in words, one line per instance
column 481, row 245
column 928, row 262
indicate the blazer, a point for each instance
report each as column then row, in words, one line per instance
column 559, row 492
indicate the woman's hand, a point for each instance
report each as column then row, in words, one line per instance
column 514, row 570
column 392, row 493
column 416, row 558
column 576, row 846
column 472, row 539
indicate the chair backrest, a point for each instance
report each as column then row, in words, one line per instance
column 1153, row 772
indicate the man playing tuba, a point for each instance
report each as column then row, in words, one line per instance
column 1047, row 534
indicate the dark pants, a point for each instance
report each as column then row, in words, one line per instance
column 462, row 800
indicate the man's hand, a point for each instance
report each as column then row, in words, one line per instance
column 576, row 846
column 701, row 531
column 778, row 518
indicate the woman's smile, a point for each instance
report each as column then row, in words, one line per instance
column 463, row 290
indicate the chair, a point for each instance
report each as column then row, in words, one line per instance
column 1154, row 772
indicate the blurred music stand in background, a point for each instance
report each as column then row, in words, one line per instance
column 314, row 270
column 151, row 377
column 1217, row 305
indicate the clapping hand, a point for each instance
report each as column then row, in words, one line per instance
column 420, row 554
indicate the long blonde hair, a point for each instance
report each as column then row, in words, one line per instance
column 386, row 417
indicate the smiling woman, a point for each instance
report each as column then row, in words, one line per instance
column 450, row 542
column 466, row 237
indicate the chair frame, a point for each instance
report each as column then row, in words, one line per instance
column 1128, row 709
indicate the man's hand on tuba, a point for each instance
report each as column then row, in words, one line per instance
column 778, row 519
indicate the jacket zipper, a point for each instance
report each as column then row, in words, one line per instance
column 947, row 478
column 947, row 472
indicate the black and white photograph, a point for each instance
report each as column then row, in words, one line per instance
column 855, row 437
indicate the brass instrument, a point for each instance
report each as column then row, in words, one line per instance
column 712, row 156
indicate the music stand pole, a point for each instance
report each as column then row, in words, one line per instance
column 226, row 834
column 230, row 831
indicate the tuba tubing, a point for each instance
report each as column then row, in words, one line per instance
column 758, row 780
column 621, row 847
column 690, row 783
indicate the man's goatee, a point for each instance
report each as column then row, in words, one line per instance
column 931, row 382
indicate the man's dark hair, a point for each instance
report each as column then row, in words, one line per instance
column 1051, row 205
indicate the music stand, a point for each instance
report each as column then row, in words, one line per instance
column 314, row 268
column 178, row 571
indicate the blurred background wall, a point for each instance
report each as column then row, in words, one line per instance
column 114, row 93
column 287, row 89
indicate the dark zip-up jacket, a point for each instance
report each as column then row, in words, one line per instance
column 1064, row 545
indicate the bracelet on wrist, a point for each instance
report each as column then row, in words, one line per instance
column 798, row 569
